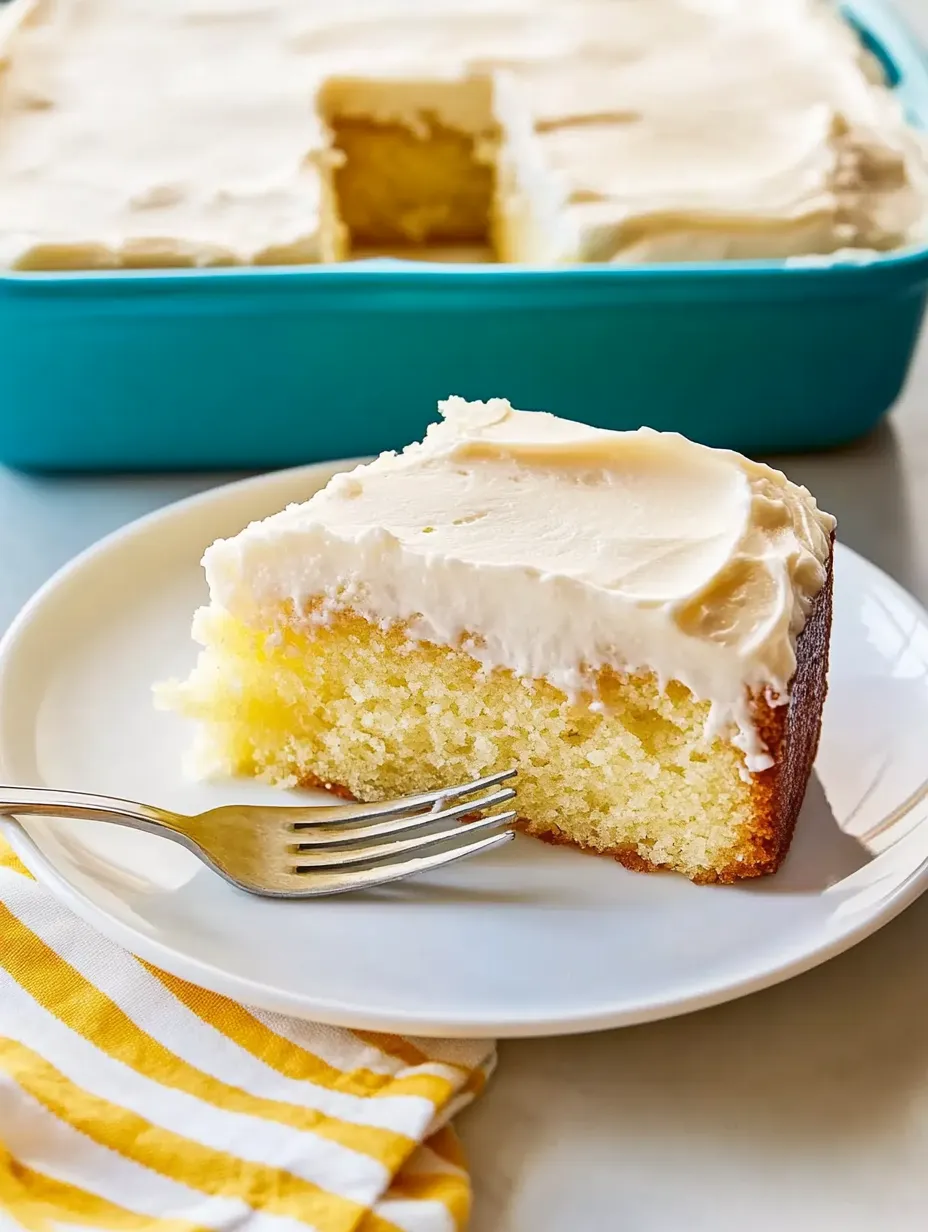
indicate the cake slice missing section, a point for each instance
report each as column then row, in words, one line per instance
column 637, row 623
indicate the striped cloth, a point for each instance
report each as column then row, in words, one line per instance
column 131, row 1100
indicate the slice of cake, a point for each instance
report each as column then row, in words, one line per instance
column 639, row 624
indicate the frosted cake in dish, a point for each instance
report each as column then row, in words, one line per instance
column 210, row 132
column 637, row 623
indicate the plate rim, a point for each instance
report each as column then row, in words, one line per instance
column 275, row 999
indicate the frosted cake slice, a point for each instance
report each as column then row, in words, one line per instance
column 638, row 623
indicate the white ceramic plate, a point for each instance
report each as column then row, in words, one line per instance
column 529, row 940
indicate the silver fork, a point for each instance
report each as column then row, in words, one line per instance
column 290, row 852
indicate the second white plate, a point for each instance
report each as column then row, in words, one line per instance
column 530, row 940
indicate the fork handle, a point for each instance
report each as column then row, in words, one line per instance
column 45, row 802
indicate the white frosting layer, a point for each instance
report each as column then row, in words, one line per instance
column 186, row 131
column 555, row 549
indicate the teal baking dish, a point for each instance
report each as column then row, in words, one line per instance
column 248, row 368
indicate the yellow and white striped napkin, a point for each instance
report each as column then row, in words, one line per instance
column 131, row 1100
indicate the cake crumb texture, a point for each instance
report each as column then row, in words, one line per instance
column 380, row 715
column 395, row 187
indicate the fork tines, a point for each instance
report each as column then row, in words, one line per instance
column 373, row 833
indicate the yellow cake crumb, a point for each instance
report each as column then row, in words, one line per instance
column 381, row 715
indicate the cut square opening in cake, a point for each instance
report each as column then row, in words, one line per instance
column 412, row 167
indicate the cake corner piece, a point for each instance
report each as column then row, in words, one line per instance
column 638, row 623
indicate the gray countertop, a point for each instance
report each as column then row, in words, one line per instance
column 805, row 1106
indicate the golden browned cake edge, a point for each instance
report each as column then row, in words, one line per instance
column 791, row 734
